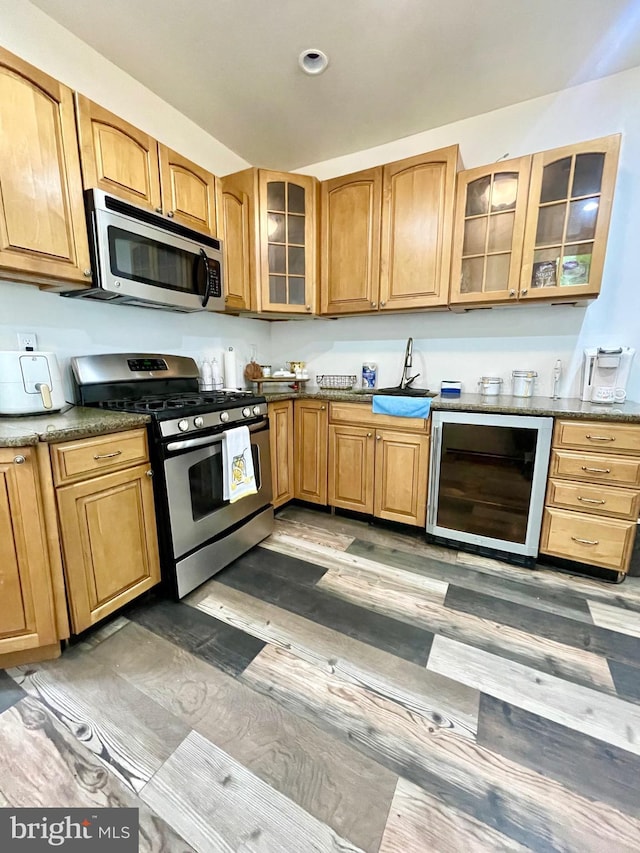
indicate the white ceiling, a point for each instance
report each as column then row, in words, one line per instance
column 397, row 67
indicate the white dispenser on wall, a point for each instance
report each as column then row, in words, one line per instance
column 606, row 373
column 30, row 383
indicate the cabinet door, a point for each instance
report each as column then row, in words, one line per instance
column 350, row 264
column 234, row 230
column 310, row 424
column 27, row 617
column 287, row 210
column 417, row 225
column 188, row 191
column 570, row 200
column 42, row 224
column 491, row 206
column 351, row 461
column 109, row 541
column 281, row 439
column 117, row 157
column 402, row 463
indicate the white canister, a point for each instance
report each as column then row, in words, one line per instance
column 523, row 382
column 369, row 374
column 490, row 386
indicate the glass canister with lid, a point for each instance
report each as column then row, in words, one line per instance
column 490, row 386
column 523, row 382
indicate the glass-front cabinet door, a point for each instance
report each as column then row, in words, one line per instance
column 568, row 216
column 491, row 205
column 287, row 210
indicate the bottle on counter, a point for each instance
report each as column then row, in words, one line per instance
column 216, row 375
column 206, row 376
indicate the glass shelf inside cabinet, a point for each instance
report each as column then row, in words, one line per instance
column 286, row 249
column 488, row 232
column 567, row 219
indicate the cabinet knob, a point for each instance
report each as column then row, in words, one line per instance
column 170, row 214
column 512, row 293
column 86, row 273
column 158, row 210
column 373, row 304
column 524, row 292
column 19, row 460
column 369, row 435
column 322, row 408
column 382, row 303
column 149, row 473
column 378, row 437
column 308, row 307
column 226, row 299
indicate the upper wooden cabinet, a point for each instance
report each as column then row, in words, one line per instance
column 123, row 160
column 350, row 235
column 387, row 235
column 42, row 227
column 568, row 215
column 491, row 205
column 234, row 225
column 27, row 616
column 282, row 260
column 535, row 227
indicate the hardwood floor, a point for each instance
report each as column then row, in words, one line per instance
column 346, row 687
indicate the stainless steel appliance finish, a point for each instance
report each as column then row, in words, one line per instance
column 140, row 258
column 199, row 531
column 487, row 481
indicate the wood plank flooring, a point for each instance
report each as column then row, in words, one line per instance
column 347, row 687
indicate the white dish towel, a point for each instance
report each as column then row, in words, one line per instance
column 237, row 465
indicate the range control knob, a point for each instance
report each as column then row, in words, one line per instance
column 256, row 410
column 246, row 412
column 198, row 422
column 224, row 417
column 183, row 425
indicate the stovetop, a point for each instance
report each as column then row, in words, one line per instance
column 163, row 408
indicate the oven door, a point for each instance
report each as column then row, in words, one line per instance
column 143, row 257
column 193, row 475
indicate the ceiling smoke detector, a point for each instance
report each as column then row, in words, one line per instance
column 313, row 61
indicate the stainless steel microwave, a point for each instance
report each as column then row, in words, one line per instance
column 140, row 258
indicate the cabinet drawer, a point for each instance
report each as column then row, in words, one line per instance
column 595, row 468
column 361, row 414
column 597, row 435
column 605, row 542
column 603, row 500
column 80, row 460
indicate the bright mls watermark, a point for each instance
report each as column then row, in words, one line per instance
column 69, row 830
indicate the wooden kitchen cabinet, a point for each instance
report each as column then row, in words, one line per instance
column 350, row 231
column 234, row 225
column 310, row 419
column 129, row 163
column 27, row 614
column 108, row 534
column 593, row 493
column 491, row 207
column 351, row 466
column 567, row 223
column 282, row 456
column 43, row 236
column 387, row 235
column 378, row 464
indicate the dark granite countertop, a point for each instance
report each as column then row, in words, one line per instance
column 570, row 407
column 75, row 422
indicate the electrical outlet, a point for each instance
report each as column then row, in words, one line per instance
column 27, row 340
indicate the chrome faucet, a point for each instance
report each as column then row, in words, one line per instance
column 406, row 380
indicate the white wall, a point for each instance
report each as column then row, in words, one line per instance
column 497, row 341
column 71, row 327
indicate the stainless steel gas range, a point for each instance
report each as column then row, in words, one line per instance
column 199, row 531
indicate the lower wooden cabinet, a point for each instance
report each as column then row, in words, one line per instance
column 27, row 614
column 375, row 470
column 281, row 444
column 310, row 419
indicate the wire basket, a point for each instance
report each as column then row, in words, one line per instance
column 336, row 382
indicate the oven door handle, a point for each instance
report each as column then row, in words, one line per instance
column 200, row 441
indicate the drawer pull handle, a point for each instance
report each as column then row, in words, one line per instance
column 585, row 541
column 596, row 470
column 590, row 500
column 600, row 437
column 108, row 455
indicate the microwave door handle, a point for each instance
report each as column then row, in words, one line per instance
column 204, row 260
